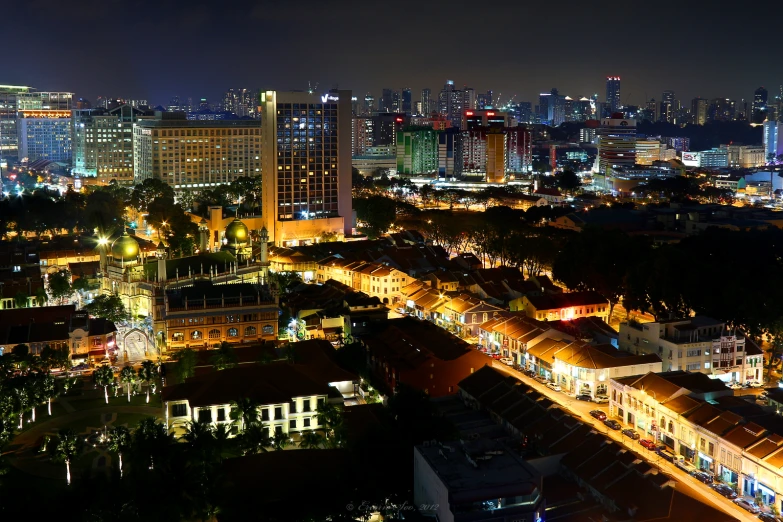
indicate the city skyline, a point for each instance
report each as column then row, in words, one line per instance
column 252, row 46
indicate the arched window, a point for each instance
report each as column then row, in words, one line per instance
column 671, row 427
column 232, row 332
column 214, row 334
column 268, row 329
column 663, row 423
column 250, row 331
column 474, row 319
column 196, row 334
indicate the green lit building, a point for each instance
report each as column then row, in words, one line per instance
column 417, row 151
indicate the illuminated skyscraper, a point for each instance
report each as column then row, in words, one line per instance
column 13, row 99
column 426, row 103
column 407, row 101
column 616, row 143
column 668, row 107
column 613, row 93
column 699, row 108
column 306, row 165
column 44, row 134
column 759, row 110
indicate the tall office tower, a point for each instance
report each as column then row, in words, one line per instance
column 667, row 107
column 362, row 134
column 484, row 100
column 651, row 110
column 773, row 141
column 556, row 108
column 385, row 102
column 307, row 165
column 426, row 101
column 616, row 143
column 417, row 151
column 369, row 104
column 44, row 134
column 417, row 108
column 407, row 106
column 613, row 93
column 468, row 98
column 103, row 143
column 15, row 98
column 385, row 127
column 543, row 107
column 759, row 107
column 190, row 154
column 242, row 102
column 451, row 103
column 699, row 108
column 721, row 109
column 396, row 105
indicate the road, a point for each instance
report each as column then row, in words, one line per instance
column 685, row 482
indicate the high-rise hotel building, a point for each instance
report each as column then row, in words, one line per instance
column 16, row 98
column 616, row 143
column 44, row 134
column 306, row 165
column 190, row 155
column 103, row 144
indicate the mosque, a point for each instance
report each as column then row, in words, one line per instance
column 162, row 287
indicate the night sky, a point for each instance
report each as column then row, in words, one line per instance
column 154, row 50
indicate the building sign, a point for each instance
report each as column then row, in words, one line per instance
column 691, row 159
column 329, row 98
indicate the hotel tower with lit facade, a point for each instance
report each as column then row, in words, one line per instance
column 306, row 165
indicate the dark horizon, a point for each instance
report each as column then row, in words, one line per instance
column 138, row 49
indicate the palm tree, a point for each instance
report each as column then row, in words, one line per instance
column 280, row 440
column 200, row 437
column 330, row 417
column 244, row 410
column 255, row 439
column 104, row 376
column 311, row 440
column 41, row 297
column 21, row 401
column 224, row 357
column 151, row 439
column 66, row 449
column 119, row 441
column 49, row 390
column 147, row 374
column 222, row 434
column 128, row 376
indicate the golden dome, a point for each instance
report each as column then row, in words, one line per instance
column 237, row 232
column 125, row 248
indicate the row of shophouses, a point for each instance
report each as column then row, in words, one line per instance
column 703, row 424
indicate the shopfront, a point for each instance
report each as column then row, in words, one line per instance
column 687, row 452
column 631, row 418
column 767, row 495
column 667, row 440
column 705, row 463
column 728, row 475
column 749, row 486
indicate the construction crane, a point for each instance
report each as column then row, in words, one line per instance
column 311, row 88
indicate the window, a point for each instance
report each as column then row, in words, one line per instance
column 268, row 329
column 693, row 353
column 306, row 405
column 195, row 335
column 233, row 332
column 292, row 424
column 265, row 414
column 278, row 413
column 221, row 417
column 307, row 422
column 205, row 415
column 710, row 448
column 179, row 410
column 250, row 331
column 292, row 407
column 278, row 430
column 214, row 334
column 178, row 336
column 671, row 427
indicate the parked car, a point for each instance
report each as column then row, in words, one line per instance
column 598, row 414
column 764, row 394
column 769, row 517
column 601, row 399
column 735, row 385
column 507, row 361
column 647, row 443
column 495, row 356
column 755, row 384
column 611, row 423
column 725, row 490
column 633, row 434
column 554, row 386
column 584, row 397
column 702, row 476
column 541, row 379
column 529, row 373
column 747, row 505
